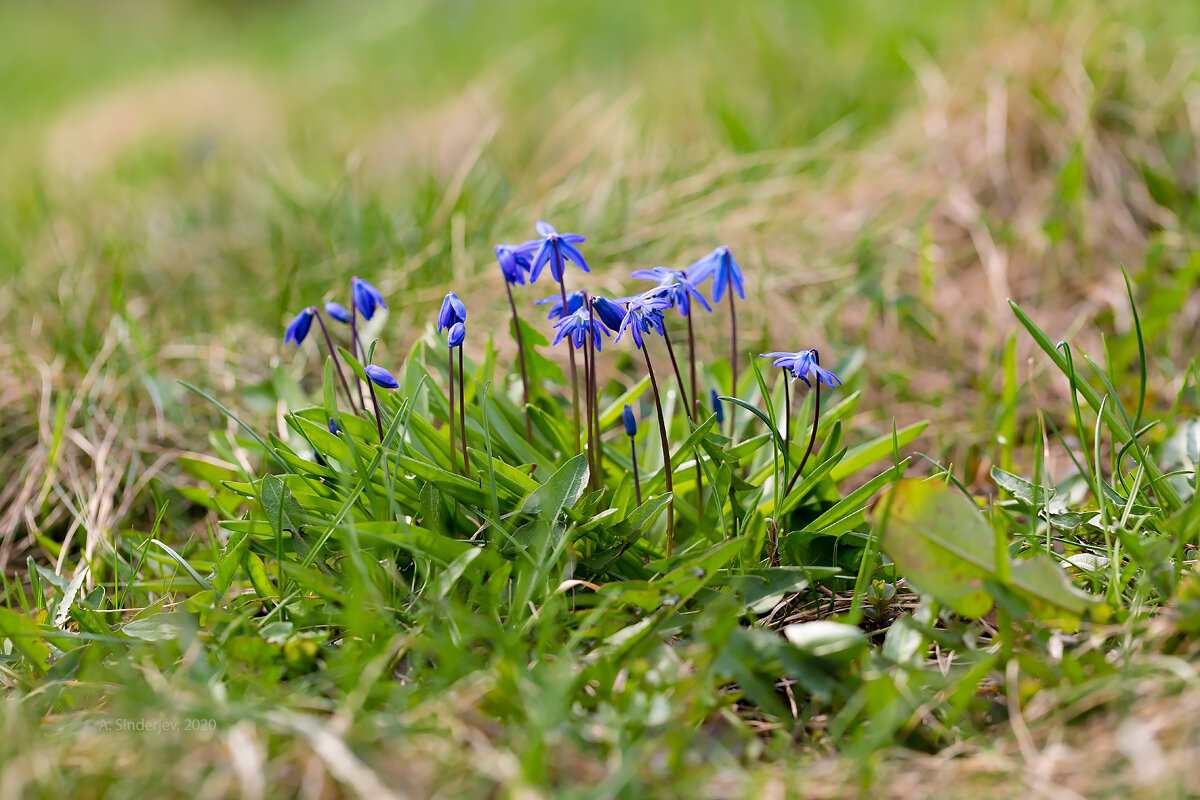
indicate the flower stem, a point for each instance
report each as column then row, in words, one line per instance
column 733, row 365
column 811, row 441
column 453, row 453
column 356, row 349
column 689, row 414
column 695, row 414
column 562, row 288
column 637, row 485
column 594, row 395
column 683, row 397
column 666, row 451
column 375, row 405
column 692, row 367
column 462, row 412
column 787, row 422
column 587, row 405
column 521, row 358
column 337, row 362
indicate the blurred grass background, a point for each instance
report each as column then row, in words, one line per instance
column 177, row 175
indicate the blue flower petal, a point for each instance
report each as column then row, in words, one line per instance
column 298, row 328
column 338, row 311
column 381, row 377
column 540, row 259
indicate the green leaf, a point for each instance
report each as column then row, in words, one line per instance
column 231, row 559
column 63, row 612
column 561, row 490
column 181, row 561
column 283, row 512
column 1022, row 489
column 940, row 542
column 25, row 635
column 763, row 589
column 943, row 545
column 162, row 627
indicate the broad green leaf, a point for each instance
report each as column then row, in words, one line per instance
column 944, row 546
column 1022, row 489
column 25, row 635
column 162, row 627
column 940, row 542
column 283, row 512
column 561, row 490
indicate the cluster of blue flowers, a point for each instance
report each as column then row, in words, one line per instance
column 642, row 313
column 584, row 321
column 580, row 319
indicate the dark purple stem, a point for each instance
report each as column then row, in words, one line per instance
column 587, row 404
column 787, row 422
column 666, row 451
column 594, row 394
column 375, row 405
column 562, row 288
column 687, row 411
column 733, row 364
column 812, row 439
column 688, row 414
column 521, row 358
column 637, row 485
column 337, row 362
column 462, row 412
column 692, row 367
column 356, row 348
column 453, row 453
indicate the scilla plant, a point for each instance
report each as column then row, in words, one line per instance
column 592, row 562
column 600, row 516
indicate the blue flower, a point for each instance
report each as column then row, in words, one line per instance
column 720, row 266
column 365, row 297
column 381, row 377
column 644, row 315
column 555, row 249
column 452, row 311
column 574, row 303
column 803, row 365
column 577, row 326
column 608, row 312
column 675, row 285
column 717, row 406
column 333, row 427
column 458, row 332
column 337, row 311
column 297, row 329
column 629, row 420
column 514, row 261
